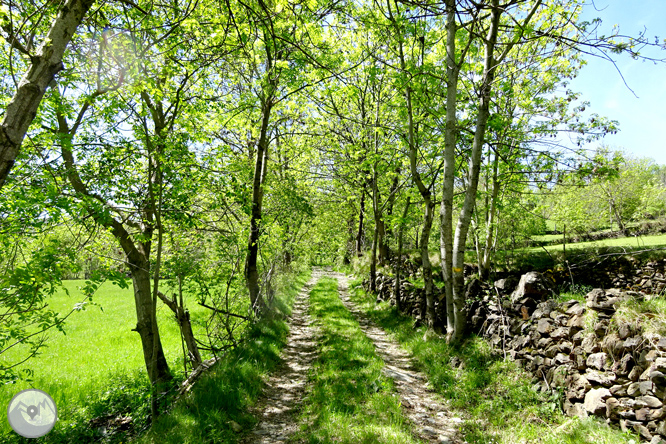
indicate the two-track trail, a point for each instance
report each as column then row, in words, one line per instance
column 287, row 387
column 277, row 409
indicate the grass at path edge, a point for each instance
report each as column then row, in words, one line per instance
column 496, row 396
column 224, row 393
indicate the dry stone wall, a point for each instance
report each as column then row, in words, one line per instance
column 602, row 367
column 622, row 272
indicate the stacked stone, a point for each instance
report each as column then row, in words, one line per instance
column 616, row 373
column 604, row 368
column 627, row 274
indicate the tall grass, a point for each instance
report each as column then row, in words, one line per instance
column 96, row 371
column 647, row 315
column 223, row 395
column 98, row 351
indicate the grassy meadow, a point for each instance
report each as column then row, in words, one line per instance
column 97, row 376
column 541, row 258
column 98, row 363
column 634, row 243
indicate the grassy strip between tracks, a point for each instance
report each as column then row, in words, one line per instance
column 496, row 396
column 351, row 401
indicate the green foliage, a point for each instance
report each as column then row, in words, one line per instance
column 112, row 385
column 145, row 147
column 26, row 316
column 225, row 392
column 573, row 291
column 611, row 189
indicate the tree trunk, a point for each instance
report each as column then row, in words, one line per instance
column 389, row 212
column 382, row 248
column 446, row 209
column 391, row 201
column 359, row 235
column 184, row 324
column 416, row 237
column 473, row 176
column 484, row 265
column 138, row 259
column 428, row 302
column 618, row 217
column 373, row 262
column 477, row 241
column 615, row 211
column 260, row 168
column 183, row 317
column 398, row 262
column 153, row 353
column 43, row 67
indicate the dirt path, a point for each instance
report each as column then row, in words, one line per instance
column 429, row 413
column 286, row 387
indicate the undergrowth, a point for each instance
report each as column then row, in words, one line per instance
column 647, row 315
column 496, row 397
column 116, row 409
column 573, row 292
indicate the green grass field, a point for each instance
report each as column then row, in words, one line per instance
column 558, row 237
column 541, row 258
column 98, row 352
column 96, row 373
column 633, row 243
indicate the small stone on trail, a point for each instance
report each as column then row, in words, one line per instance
column 430, row 430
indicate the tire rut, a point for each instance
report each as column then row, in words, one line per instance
column 428, row 412
column 287, row 386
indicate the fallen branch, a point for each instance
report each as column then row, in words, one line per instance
column 224, row 312
column 196, row 373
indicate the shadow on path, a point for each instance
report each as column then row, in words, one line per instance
column 286, row 387
column 432, row 419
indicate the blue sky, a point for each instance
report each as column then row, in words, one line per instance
column 642, row 119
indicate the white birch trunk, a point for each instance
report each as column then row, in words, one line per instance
column 473, row 176
column 446, row 210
